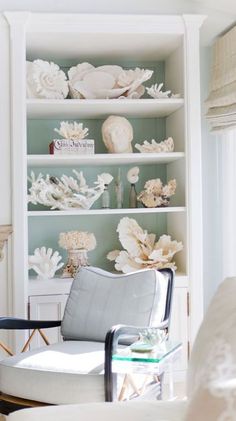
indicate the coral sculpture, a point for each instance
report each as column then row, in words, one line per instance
column 166, row 145
column 77, row 240
column 156, row 194
column 141, row 250
column 108, row 81
column 72, row 131
column 117, row 134
column 77, row 243
column 155, row 91
column 44, row 262
column 45, row 80
column 66, row 192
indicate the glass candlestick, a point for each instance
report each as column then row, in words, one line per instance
column 132, row 197
column 119, row 191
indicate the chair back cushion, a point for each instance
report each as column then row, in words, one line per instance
column 99, row 300
column 212, row 368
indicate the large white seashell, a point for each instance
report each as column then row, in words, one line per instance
column 117, row 134
column 99, row 80
column 44, row 262
column 45, row 80
column 108, row 81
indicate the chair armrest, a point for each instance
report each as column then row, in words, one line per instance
column 111, row 342
column 12, row 323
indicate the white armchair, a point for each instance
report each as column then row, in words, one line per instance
column 211, row 378
column 102, row 308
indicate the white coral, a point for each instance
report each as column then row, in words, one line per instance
column 66, row 192
column 155, row 194
column 73, row 130
column 77, row 240
column 44, row 262
column 141, row 249
column 45, row 80
column 155, row 91
column 166, row 145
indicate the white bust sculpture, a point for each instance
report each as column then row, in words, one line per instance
column 117, row 134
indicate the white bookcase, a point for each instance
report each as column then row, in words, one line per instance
column 170, row 43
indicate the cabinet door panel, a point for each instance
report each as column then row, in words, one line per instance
column 50, row 307
column 179, row 325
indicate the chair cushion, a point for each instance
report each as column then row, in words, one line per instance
column 212, row 368
column 127, row 411
column 56, row 373
column 99, row 300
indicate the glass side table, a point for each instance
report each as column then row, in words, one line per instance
column 150, row 363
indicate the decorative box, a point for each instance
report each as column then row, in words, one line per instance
column 70, row 146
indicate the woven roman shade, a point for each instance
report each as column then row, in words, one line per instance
column 221, row 103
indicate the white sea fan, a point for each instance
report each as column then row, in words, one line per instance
column 132, row 175
column 45, row 80
column 141, row 249
column 73, row 130
column 44, row 262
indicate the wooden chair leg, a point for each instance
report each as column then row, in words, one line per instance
column 6, row 349
column 28, row 341
column 44, row 337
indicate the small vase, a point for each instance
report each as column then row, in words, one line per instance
column 106, row 198
column 76, row 259
column 132, row 197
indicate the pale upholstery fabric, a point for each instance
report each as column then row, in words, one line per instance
column 126, row 411
column 56, row 373
column 99, row 300
column 212, row 369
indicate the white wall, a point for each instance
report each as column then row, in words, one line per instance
column 211, row 173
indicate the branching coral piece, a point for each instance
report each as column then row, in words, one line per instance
column 66, row 192
column 44, row 262
column 155, row 194
column 166, row 145
column 155, row 91
column 72, row 131
column 141, row 249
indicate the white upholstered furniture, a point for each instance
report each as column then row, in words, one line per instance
column 73, row 371
column 211, row 378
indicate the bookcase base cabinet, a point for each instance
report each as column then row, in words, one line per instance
column 47, row 307
column 167, row 45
